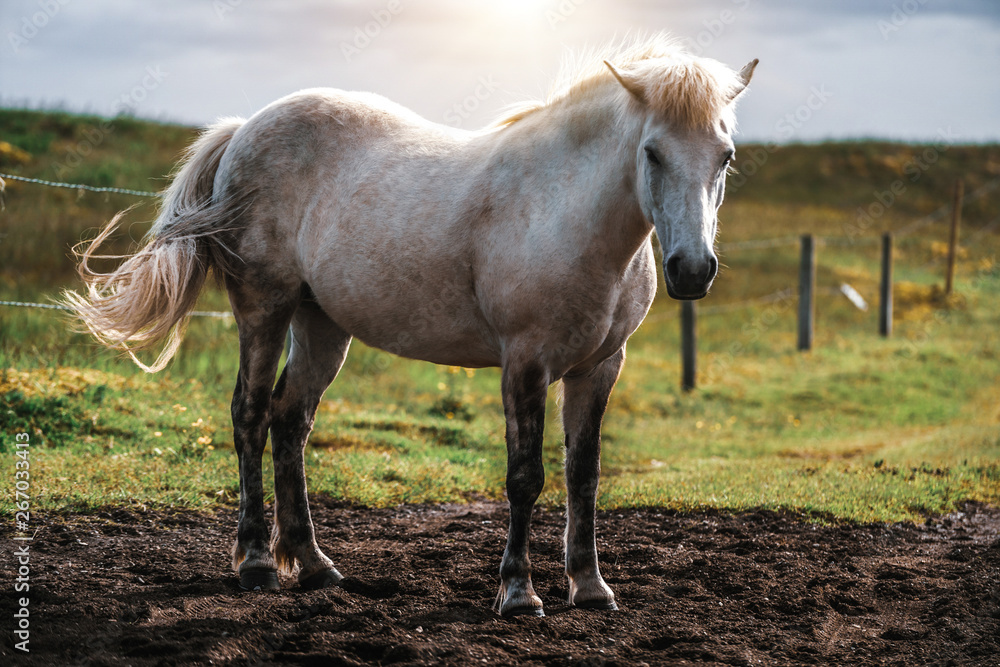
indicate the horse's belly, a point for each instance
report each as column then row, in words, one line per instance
column 441, row 327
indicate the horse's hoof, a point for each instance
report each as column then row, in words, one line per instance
column 322, row 579
column 259, row 579
column 597, row 605
column 523, row 611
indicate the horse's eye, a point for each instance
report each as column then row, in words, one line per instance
column 730, row 156
column 651, row 156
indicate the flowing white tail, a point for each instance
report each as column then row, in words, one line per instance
column 147, row 298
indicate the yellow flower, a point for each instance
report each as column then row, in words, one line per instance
column 178, row 407
column 205, row 440
column 157, row 434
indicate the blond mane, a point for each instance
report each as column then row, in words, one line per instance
column 690, row 91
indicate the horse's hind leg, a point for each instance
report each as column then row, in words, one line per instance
column 262, row 316
column 585, row 399
column 318, row 350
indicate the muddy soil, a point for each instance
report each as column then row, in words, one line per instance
column 131, row 587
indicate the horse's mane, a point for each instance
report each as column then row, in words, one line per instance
column 691, row 91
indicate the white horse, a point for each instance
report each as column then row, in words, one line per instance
column 526, row 246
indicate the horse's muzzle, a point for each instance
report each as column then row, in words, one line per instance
column 688, row 280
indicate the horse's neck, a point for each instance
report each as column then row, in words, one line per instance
column 586, row 153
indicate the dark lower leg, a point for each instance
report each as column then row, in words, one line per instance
column 263, row 320
column 318, row 351
column 251, row 551
column 584, row 401
column 524, row 401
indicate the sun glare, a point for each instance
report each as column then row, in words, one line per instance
column 519, row 10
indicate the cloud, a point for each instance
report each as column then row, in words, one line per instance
column 228, row 56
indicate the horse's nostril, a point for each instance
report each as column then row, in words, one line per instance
column 713, row 268
column 673, row 268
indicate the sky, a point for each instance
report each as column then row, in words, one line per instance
column 912, row 70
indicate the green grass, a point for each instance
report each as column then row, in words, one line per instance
column 862, row 428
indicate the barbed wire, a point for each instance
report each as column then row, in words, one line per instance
column 53, row 306
column 759, row 244
column 77, row 186
column 755, row 244
column 780, row 295
column 944, row 210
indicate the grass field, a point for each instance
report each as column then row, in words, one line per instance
column 861, row 428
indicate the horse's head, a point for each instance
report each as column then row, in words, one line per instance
column 686, row 116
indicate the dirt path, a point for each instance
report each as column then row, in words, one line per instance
column 152, row 588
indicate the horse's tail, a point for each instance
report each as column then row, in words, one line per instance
column 148, row 297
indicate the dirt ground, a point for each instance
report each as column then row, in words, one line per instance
column 153, row 588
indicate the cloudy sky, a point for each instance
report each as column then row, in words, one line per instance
column 901, row 69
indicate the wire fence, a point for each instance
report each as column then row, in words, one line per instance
column 79, row 187
column 754, row 244
column 76, row 186
column 806, row 291
column 53, row 306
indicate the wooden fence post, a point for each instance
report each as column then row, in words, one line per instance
column 885, row 288
column 807, row 289
column 956, row 217
column 688, row 345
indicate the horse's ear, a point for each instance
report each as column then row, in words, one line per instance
column 628, row 83
column 745, row 75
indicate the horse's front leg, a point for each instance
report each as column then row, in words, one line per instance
column 524, row 391
column 585, row 399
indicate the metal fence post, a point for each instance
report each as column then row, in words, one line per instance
column 956, row 217
column 688, row 345
column 885, row 288
column 807, row 290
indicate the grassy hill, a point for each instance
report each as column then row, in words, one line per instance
column 820, row 187
column 861, row 428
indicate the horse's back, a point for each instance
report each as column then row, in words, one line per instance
column 358, row 197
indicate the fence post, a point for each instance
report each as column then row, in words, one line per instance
column 956, row 217
column 807, row 283
column 688, row 345
column 885, row 288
